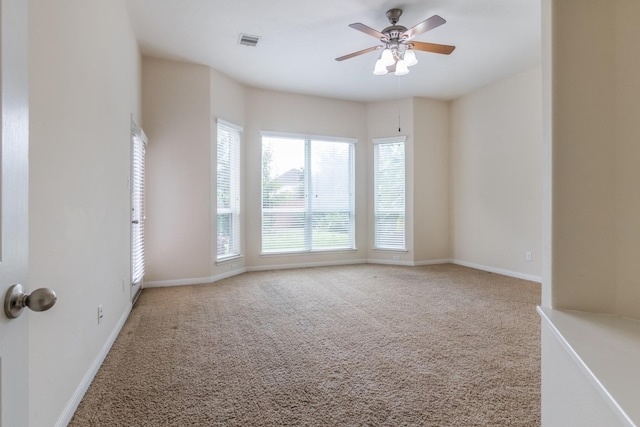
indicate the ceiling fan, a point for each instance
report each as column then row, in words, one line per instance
column 398, row 44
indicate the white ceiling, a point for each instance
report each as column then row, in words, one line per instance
column 300, row 39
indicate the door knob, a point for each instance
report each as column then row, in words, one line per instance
column 16, row 299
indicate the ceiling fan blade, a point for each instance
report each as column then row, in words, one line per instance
column 433, row 47
column 423, row 27
column 368, row 30
column 360, row 52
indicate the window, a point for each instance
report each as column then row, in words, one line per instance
column 307, row 194
column 389, row 206
column 138, row 142
column 228, row 190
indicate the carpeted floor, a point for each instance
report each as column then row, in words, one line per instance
column 363, row 345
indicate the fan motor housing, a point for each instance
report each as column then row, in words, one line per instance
column 394, row 31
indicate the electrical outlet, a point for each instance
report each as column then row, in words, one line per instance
column 100, row 314
column 528, row 256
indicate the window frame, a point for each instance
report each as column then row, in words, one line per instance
column 377, row 142
column 235, row 190
column 308, row 208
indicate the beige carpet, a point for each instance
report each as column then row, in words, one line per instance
column 360, row 345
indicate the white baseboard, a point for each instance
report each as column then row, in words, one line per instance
column 82, row 388
column 194, row 280
column 498, row 271
column 177, row 282
column 306, row 265
column 432, row 262
column 390, row 262
column 212, row 279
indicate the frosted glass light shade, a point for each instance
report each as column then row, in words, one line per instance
column 401, row 68
column 410, row 58
column 387, row 57
column 380, row 69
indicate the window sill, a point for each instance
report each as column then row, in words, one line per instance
column 404, row 251
column 228, row 259
column 314, row 252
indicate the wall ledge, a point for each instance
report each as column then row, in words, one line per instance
column 606, row 348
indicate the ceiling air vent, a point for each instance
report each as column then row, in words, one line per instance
column 248, row 40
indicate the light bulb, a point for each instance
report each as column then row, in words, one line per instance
column 410, row 58
column 380, row 69
column 401, row 68
column 387, row 57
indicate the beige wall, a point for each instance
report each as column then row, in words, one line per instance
column 177, row 119
column 627, row 124
column 84, row 87
column 496, row 176
column 595, row 133
column 387, row 119
column 227, row 103
column 301, row 114
column 431, row 187
column 592, row 101
column 445, row 218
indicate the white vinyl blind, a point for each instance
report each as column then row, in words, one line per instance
column 389, row 194
column 307, row 194
column 137, row 208
column 228, row 190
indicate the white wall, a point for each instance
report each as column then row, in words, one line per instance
column 283, row 112
column 84, row 86
column 496, row 175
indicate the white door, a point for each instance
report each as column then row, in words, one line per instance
column 13, row 206
column 138, row 149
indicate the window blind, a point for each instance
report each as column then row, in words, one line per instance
column 228, row 190
column 389, row 194
column 137, row 209
column 307, row 194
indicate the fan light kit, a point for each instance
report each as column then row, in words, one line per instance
column 398, row 46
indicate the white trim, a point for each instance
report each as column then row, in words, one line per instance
column 498, row 271
column 389, row 140
column 306, row 265
column 138, row 131
column 287, row 135
column 225, row 123
column 82, row 388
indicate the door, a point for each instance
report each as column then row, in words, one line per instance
column 14, row 178
column 138, row 149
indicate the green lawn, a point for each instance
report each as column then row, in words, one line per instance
column 293, row 239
